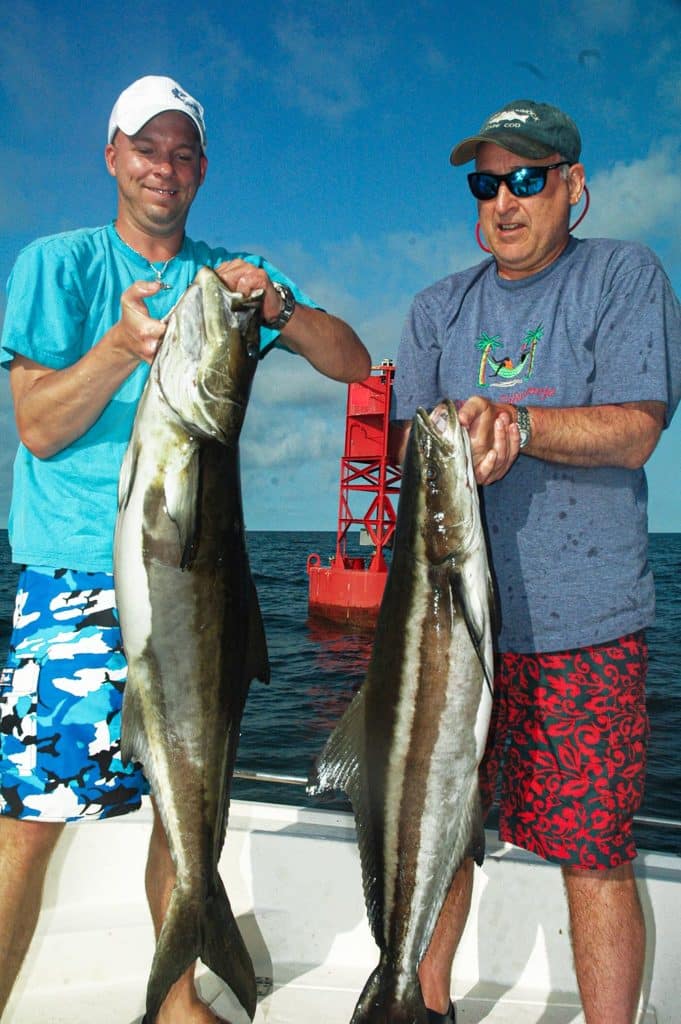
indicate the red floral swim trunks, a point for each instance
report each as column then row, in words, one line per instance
column 569, row 732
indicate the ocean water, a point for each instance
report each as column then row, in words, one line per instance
column 316, row 668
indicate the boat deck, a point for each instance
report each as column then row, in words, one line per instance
column 294, row 882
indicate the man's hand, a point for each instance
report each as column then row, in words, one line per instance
column 495, row 439
column 137, row 333
column 328, row 343
column 242, row 276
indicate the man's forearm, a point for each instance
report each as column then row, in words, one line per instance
column 329, row 344
column 604, row 435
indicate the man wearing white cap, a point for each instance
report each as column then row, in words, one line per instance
column 84, row 320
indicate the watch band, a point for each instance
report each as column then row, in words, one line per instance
column 524, row 425
column 287, row 309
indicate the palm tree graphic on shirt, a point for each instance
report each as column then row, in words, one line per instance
column 504, row 372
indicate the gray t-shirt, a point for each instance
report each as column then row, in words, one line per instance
column 600, row 325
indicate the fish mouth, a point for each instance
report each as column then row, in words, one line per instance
column 440, row 424
column 455, row 521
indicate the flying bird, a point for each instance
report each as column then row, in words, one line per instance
column 530, row 67
column 589, row 58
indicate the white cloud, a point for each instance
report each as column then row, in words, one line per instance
column 603, row 16
column 323, row 80
column 633, row 200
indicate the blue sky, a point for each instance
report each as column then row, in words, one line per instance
column 329, row 131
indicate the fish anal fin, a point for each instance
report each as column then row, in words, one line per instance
column 133, row 735
column 257, row 658
column 337, row 767
column 476, row 845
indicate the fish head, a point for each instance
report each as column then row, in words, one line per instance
column 210, row 350
column 440, row 465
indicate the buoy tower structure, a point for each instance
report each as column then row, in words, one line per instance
column 349, row 589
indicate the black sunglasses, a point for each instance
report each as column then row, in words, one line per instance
column 525, row 181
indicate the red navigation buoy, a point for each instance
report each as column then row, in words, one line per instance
column 349, row 589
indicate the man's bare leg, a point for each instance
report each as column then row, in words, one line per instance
column 608, row 942
column 435, row 970
column 182, row 1004
column 25, row 851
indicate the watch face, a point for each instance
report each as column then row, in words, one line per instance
column 523, row 425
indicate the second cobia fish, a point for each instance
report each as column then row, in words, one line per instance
column 408, row 748
column 191, row 626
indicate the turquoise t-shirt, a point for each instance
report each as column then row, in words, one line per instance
column 64, row 294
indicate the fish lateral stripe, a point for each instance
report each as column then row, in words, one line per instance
column 427, row 702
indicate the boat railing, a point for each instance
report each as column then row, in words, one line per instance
column 247, row 775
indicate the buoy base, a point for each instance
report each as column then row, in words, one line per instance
column 351, row 596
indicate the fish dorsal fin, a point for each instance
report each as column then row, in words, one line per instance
column 182, row 494
column 475, row 622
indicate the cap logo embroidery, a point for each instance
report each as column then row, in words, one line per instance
column 182, row 96
column 511, row 117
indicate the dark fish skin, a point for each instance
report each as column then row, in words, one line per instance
column 408, row 748
column 192, row 630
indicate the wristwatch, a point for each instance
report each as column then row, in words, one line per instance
column 287, row 309
column 524, row 425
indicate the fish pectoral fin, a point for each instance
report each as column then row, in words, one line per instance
column 475, row 624
column 127, row 475
column 182, row 491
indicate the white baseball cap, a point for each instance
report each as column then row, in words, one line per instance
column 148, row 97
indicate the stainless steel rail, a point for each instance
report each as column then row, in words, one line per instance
column 286, row 780
column 298, row 780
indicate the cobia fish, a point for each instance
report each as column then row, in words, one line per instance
column 191, row 625
column 408, row 748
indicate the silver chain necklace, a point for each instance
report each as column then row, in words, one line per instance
column 158, row 273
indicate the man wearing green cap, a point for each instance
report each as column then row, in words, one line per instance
column 565, row 357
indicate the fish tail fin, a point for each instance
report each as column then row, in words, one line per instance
column 207, row 931
column 177, row 947
column 380, row 1002
column 224, row 950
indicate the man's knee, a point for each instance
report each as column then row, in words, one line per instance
column 28, row 843
column 576, row 877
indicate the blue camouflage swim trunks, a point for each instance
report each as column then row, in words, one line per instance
column 60, row 702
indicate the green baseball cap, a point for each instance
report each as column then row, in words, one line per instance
column 526, row 128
